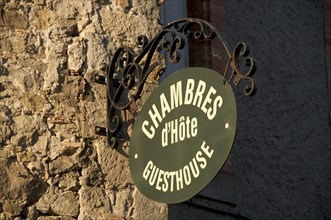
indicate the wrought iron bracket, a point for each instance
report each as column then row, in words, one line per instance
column 128, row 70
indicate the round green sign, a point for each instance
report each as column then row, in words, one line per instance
column 183, row 135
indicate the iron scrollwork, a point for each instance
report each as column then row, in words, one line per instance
column 129, row 69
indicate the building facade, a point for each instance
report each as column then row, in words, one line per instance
column 54, row 166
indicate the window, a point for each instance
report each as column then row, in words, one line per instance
column 204, row 54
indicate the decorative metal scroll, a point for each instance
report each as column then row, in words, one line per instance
column 129, row 69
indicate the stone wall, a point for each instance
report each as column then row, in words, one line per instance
column 52, row 165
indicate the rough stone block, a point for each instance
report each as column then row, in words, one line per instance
column 97, row 53
column 76, row 56
column 94, row 202
column 39, row 2
column 145, row 208
column 15, row 19
column 43, row 204
column 66, row 204
column 12, row 208
column 32, row 212
column 62, row 164
column 122, row 3
column 17, row 184
column 69, row 181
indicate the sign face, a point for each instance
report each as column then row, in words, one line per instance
column 183, row 135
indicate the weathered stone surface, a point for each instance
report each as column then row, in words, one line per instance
column 32, row 212
column 68, row 156
column 19, row 184
column 39, row 2
column 62, row 164
column 43, row 205
column 33, row 102
column 26, row 133
column 55, row 218
column 146, row 209
column 66, row 204
column 97, row 55
column 91, row 176
column 12, row 208
column 41, row 18
column 93, row 202
column 115, row 173
column 76, row 55
column 14, row 19
column 122, row 204
column 18, row 187
column 53, row 165
column 69, row 181
column 22, row 80
column 5, row 122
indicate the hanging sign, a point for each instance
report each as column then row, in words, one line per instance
column 183, row 135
